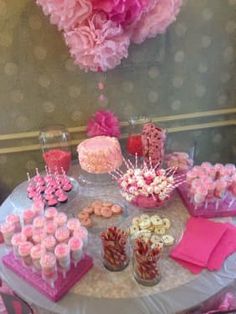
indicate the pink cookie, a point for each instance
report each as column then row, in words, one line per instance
column 83, row 215
column 106, row 212
column 86, row 222
column 116, row 209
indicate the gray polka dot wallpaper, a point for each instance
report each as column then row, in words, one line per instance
column 189, row 69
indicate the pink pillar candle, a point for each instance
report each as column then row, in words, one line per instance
column 62, row 253
column 50, row 213
column 15, row 220
column 76, row 248
column 36, row 253
column 62, row 234
column 28, row 216
column 73, row 224
column 7, row 230
column 39, row 222
column 16, row 240
column 61, row 219
column 24, row 252
column 27, row 231
column 49, row 243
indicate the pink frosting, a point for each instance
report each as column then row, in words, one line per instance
column 98, row 44
column 62, row 250
column 37, row 251
column 50, row 213
column 48, row 260
column 100, row 154
column 62, row 234
column 156, row 20
column 7, row 228
column 49, row 242
column 75, row 244
column 73, row 224
column 39, row 222
column 24, row 248
column 18, row 238
column 61, row 219
column 27, row 231
column 66, row 14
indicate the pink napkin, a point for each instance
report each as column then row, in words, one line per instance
column 205, row 244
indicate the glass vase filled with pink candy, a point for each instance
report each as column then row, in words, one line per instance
column 54, row 142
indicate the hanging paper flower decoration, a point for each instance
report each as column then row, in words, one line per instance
column 103, row 122
column 98, row 32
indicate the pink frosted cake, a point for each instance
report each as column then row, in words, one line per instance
column 100, row 154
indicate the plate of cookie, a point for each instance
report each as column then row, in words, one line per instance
column 158, row 229
column 100, row 213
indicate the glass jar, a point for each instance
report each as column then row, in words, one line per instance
column 55, row 146
column 146, row 268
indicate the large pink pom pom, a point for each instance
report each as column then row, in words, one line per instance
column 103, row 123
column 98, row 44
column 156, row 20
column 66, row 14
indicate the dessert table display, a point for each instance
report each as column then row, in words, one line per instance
column 101, row 289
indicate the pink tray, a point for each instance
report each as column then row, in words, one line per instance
column 62, row 286
column 210, row 211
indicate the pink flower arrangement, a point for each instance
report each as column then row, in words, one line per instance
column 98, row 32
column 103, row 123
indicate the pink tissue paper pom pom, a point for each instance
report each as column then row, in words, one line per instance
column 98, row 44
column 103, row 123
column 156, row 20
column 66, row 14
column 124, row 12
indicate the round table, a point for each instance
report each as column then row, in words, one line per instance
column 101, row 291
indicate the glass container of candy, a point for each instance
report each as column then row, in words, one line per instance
column 55, row 146
column 115, row 249
column 146, row 269
column 134, row 140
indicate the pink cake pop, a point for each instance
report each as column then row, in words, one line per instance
column 24, row 252
column 62, row 253
column 27, row 231
column 39, row 222
column 36, row 252
column 28, row 216
column 16, row 240
column 62, row 234
column 15, row 220
column 50, row 213
column 48, row 264
column 60, row 219
column 7, row 229
column 73, row 224
column 76, row 248
column 49, row 243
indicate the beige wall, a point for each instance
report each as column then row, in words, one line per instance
column 192, row 68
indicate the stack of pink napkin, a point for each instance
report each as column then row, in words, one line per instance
column 205, row 244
